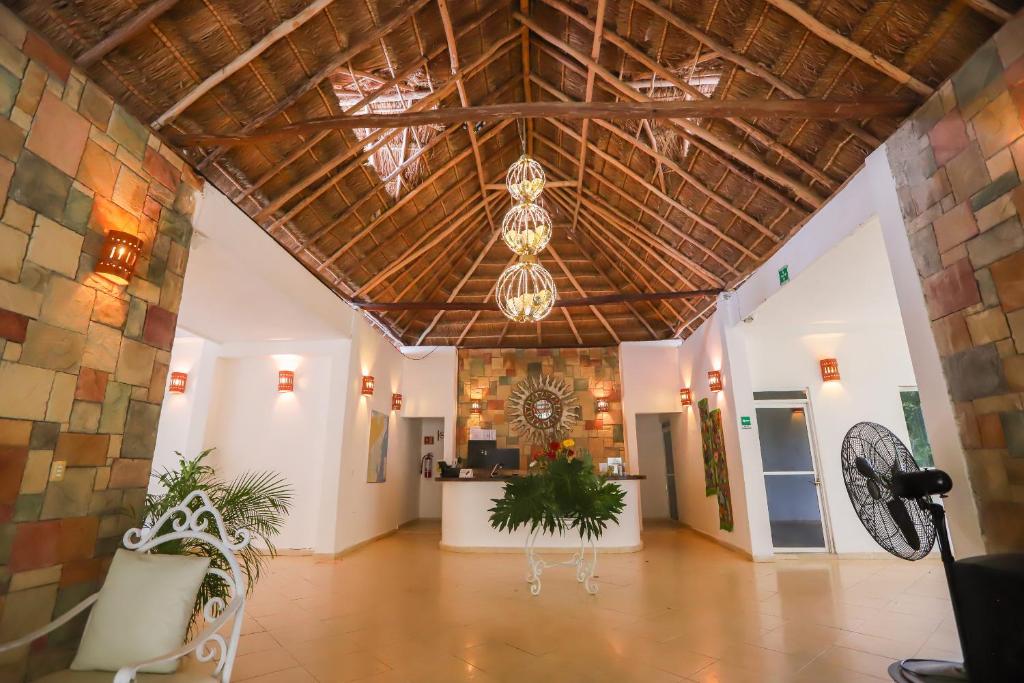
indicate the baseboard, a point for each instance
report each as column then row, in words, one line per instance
column 614, row 550
column 353, row 548
column 746, row 554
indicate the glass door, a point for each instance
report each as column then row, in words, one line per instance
column 791, row 480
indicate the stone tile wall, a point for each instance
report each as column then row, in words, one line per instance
column 958, row 165
column 490, row 374
column 84, row 362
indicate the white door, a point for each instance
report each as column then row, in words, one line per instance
column 792, row 485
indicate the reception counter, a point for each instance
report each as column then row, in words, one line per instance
column 465, row 525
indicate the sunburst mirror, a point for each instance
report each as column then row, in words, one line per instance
column 542, row 408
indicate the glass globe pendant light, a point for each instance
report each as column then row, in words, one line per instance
column 526, row 228
column 525, row 179
column 526, row 291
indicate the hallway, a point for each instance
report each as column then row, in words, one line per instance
column 683, row 609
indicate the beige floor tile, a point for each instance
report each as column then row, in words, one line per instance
column 684, row 609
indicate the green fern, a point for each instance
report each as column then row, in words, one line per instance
column 564, row 494
column 256, row 501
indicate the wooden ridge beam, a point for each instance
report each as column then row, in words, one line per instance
column 640, row 109
column 752, row 67
column 125, row 32
column 833, row 37
column 803, row 191
column 222, row 74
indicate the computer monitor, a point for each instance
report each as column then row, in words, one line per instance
column 508, row 458
column 477, row 455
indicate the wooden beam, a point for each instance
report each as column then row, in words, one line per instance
column 123, row 33
column 643, row 109
column 834, row 38
column 588, row 97
column 729, row 148
column 563, row 302
column 752, row 67
column 693, row 93
column 990, row 10
column 378, row 138
column 575, row 283
column 225, row 72
column 460, row 83
column 366, row 40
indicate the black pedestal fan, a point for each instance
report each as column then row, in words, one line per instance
column 893, row 498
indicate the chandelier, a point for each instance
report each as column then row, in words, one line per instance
column 526, row 228
column 526, row 291
column 525, row 179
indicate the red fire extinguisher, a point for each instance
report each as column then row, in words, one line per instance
column 428, row 465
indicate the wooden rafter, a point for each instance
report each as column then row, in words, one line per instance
column 990, row 10
column 367, row 40
column 125, row 32
column 588, row 97
column 840, row 41
column 225, row 72
column 460, row 84
column 731, row 149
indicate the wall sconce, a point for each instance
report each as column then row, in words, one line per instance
column 601, row 405
column 685, row 397
column 178, row 382
column 117, row 259
column 286, row 381
column 829, row 370
column 475, row 407
column 396, row 401
column 367, row 386
column 715, row 380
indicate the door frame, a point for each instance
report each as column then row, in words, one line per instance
column 812, row 440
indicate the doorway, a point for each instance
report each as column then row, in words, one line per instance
column 657, row 464
column 791, row 480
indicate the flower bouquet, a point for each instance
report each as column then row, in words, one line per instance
column 561, row 491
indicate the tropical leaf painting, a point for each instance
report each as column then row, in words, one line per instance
column 377, row 461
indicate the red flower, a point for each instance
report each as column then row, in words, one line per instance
column 553, row 446
column 571, row 452
column 551, row 456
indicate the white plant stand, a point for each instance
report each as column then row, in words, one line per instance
column 584, row 569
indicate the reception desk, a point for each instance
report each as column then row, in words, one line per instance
column 465, row 525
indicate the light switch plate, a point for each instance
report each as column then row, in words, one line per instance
column 57, row 469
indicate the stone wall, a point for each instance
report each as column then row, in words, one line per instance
column 958, row 165
column 84, row 362
column 489, row 375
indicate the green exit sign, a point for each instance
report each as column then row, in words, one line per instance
column 745, row 421
column 783, row 275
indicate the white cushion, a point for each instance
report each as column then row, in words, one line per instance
column 142, row 612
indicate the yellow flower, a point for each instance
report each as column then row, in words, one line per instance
column 568, row 443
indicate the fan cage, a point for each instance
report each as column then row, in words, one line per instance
column 884, row 451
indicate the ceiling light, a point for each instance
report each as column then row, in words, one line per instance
column 526, row 228
column 526, row 291
column 525, row 179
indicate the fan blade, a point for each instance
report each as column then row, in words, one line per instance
column 903, row 522
column 865, row 468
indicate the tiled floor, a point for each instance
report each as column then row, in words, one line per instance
column 684, row 609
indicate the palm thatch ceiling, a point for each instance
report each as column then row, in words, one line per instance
column 412, row 214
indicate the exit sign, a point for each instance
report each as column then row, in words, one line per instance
column 745, row 421
column 783, row 275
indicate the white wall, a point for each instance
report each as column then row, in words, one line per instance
column 649, row 376
column 713, row 347
column 843, row 306
column 256, row 428
column 429, row 389
column 651, row 460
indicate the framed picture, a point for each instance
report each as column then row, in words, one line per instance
column 428, row 441
column 377, row 460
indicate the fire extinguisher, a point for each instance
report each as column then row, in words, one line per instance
column 428, row 465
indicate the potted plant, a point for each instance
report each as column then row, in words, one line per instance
column 256, row 501
column 561, row 491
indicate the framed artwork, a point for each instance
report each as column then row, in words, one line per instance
column 377, row 460
column 428, row 441
column 716, row 468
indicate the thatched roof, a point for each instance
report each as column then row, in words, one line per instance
column 663, row 204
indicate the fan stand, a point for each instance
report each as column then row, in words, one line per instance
column 935, row 670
